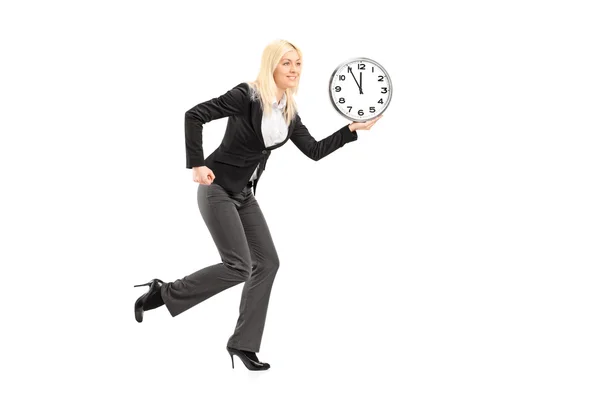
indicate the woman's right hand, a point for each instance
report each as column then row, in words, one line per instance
column 203, row 175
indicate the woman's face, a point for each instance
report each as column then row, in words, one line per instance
column 288, row 70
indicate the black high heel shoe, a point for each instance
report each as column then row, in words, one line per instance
column 248, row 362
column 148, row 301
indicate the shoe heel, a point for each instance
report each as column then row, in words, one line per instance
column 231, row 360
column 144, row 284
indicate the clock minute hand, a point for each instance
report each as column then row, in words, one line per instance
column 360, row 85
column 357, row 84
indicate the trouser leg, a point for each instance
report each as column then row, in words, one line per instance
column 257, row 289
column 219, row 210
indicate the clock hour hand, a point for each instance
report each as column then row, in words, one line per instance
column 357, row 84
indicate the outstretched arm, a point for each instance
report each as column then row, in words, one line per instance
column 231, row 103
column 318, row 149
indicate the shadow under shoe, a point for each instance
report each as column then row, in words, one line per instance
column 150, row 300
column 248, row 358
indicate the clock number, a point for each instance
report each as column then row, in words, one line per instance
column 361, row 66
column 384, row 90
column 361, row 112
column 349, row 108
column 380, row 101
column 342, row 100
column 342, row 77
column 372, row 69
column 337, row 88
column 372, row 109
column 380, row 78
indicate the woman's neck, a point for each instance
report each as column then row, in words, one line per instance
column 279, row 94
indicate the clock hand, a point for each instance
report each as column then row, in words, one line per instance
column 357, row 84
column 360, row 86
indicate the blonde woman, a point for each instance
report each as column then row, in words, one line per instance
column 262, row 117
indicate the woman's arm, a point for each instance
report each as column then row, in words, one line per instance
column 231, row 103
column 316, row 150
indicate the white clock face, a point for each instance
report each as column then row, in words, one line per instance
column 360, row 89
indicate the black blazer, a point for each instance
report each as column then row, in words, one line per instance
column 243, row 147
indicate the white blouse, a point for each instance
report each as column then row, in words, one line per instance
column 274, row 128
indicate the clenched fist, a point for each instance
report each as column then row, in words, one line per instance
column 203, row 175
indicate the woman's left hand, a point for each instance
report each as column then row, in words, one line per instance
column 363, row 126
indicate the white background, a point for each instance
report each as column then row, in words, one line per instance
column 450, row 252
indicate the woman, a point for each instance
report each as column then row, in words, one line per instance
column 262, row 116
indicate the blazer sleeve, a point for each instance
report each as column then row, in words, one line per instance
column 316, row 150
column 231, row 103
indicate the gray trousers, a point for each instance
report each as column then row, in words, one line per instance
column 242, row 237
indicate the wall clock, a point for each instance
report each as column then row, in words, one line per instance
column 360, row 89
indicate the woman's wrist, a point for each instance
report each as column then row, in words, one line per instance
column 352, row 127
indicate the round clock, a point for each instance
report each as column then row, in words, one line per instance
column 360, row 89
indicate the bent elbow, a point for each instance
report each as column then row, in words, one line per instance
column 190, row 114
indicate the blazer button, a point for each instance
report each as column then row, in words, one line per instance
column 264, row 152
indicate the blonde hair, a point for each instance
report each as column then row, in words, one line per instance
column 264, row 87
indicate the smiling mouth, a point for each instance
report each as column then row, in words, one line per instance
column 292, row 77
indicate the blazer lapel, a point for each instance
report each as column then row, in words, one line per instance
column 291, row 128
column 256, row 118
